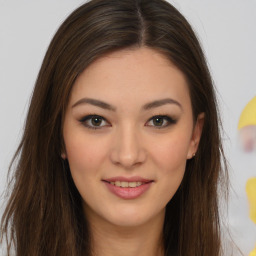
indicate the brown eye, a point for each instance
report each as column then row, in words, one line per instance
column 94, row 121
column 161, row 121
column 158, row 121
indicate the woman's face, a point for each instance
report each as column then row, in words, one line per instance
column 128, row 132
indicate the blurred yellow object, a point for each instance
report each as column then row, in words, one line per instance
column 248, row 116
column 253, row 253
column 246, row 121
column 251, row 194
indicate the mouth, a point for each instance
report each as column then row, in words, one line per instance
column 128, row 188
column 126, row 184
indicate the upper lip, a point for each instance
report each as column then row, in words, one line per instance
column 130, row 179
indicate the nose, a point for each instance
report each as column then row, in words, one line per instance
column 127, row 149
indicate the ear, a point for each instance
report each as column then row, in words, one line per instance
column 63, row 150
column 196, row 135
column 63, row 156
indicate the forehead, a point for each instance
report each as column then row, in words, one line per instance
column 138, row 75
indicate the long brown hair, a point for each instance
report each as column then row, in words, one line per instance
column 44, row 214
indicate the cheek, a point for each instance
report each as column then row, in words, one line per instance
column 171, row 158
column 171, row 153
column 85, row 159
column 84, row 154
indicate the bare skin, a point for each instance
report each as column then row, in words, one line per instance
column 142, row 240
column 129, row 116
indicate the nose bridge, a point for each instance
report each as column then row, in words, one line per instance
column 127, row 146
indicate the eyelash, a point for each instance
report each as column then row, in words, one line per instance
column 169, row 120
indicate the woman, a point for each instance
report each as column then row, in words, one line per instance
column 121, row 153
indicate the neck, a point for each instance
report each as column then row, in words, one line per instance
column 143, row 240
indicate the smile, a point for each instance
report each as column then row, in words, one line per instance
column 128, row 188
column 125, row 184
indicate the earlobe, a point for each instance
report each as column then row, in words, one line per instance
column 63, row 156
column 196, row 135
column 63, row 150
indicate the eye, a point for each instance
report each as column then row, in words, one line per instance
column 94, row 121
column 161, row 121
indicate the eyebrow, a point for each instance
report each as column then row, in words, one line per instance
column 94, row 102
column 104, row 105
column 158, row 103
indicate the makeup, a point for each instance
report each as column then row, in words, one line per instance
column 128, row 188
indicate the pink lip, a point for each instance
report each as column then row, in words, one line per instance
column 128, row 193
column 130, row 179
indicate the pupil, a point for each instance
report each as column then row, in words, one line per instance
column 158, row 121
column 96, row 121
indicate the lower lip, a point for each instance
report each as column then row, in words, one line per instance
column 128, row 193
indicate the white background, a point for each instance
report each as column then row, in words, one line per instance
column 227, row 30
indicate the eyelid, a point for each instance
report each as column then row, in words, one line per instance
column 170, row 121
column 84, row 119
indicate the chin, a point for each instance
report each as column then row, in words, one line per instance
column 128, row 220
column 133, row 217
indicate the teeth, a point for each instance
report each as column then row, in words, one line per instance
column 125, row 184
column 132, row 184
